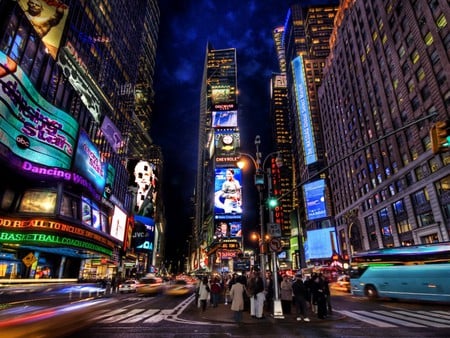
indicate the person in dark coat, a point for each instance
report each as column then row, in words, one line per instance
column 319, row 296
column 300, row 294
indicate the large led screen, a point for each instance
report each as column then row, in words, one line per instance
column 320, row 244
column 224, row 118
column 118, row 223
column 228, row 228
column 302, row 101
column 227, row 142
column 48, row 19
column 30, row 126
column 314, row 194
column 88, row 162
column 228, row 191
column 147, row 223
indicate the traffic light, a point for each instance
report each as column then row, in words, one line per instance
column 440, row 137
column 272, row 202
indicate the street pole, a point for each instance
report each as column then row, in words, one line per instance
column 277, row 308
column 262, row 241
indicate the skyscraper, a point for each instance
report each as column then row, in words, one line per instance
column 386, row 82
column 215, row 208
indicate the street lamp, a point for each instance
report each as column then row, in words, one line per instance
column 260, row 174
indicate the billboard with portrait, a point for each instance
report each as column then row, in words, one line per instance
column 48, row 18
column 30, row 126
column 228, row 191
column 314, row 194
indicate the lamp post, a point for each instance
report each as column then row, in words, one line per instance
column 259, row 183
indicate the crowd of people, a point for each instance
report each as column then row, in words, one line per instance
column 301, row 297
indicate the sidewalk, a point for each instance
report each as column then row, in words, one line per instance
column 223, row 314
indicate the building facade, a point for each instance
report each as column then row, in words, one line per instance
column 68, row 113
column 385, row 84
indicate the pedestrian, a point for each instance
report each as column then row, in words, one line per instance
column 237, row 298
column 216, row 289
column 270, row 291
column 251, row 284
column 300, row 294
column 259, row 295
column 319, row 296
column 203, row 293
column 286, row 294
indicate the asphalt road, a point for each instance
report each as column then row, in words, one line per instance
column 130, row 315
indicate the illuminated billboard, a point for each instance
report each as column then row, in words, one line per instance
column 228, row 228
column 118, row 223
column 314, row 194
column 224, row 118
column 30, row 126
column 112, row 134
column 88, row 162
column 320, row 244
column 302, row 103
column 221, row 94
column 146, row 180
column 228, row 191
column 146, row 243
column 227, row 143
column 48, row 18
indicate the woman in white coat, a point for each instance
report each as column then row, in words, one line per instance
column 237, row 298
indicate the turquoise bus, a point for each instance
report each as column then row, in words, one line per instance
column 420, row 272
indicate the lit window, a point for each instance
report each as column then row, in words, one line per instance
column 441, row 21
column 428, row 39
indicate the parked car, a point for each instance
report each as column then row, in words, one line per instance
column 128, row 286
column 179, row 287
column 149, row 286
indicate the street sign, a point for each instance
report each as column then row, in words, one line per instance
column 274, row 229
column 29, row 259
column 275, row 245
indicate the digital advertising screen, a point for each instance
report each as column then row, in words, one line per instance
column 224, row 118
column 228, row 191
column 48, row 19
column 88, row 162
column 30, row 126
column 227, row 142
column 320, row 244
column 118, row 223
column 141, row 222
column 314, row 194
column 302, row 102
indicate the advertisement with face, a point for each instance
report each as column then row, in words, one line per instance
column 48, row 19
column 228, row 191
column 30, row 126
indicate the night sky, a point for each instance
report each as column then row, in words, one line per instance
column 186, row 28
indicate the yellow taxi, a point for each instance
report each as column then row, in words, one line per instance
column 179, row 287
column 149, row 286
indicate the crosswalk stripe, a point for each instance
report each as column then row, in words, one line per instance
column 123, row 316
column 108, row 313
column 155, row 319
column 140, row 316
column 438, row 314
column 365, row 319
column 387, row 316
column 429, row 320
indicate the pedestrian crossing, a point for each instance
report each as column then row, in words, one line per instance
column 398, row 318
